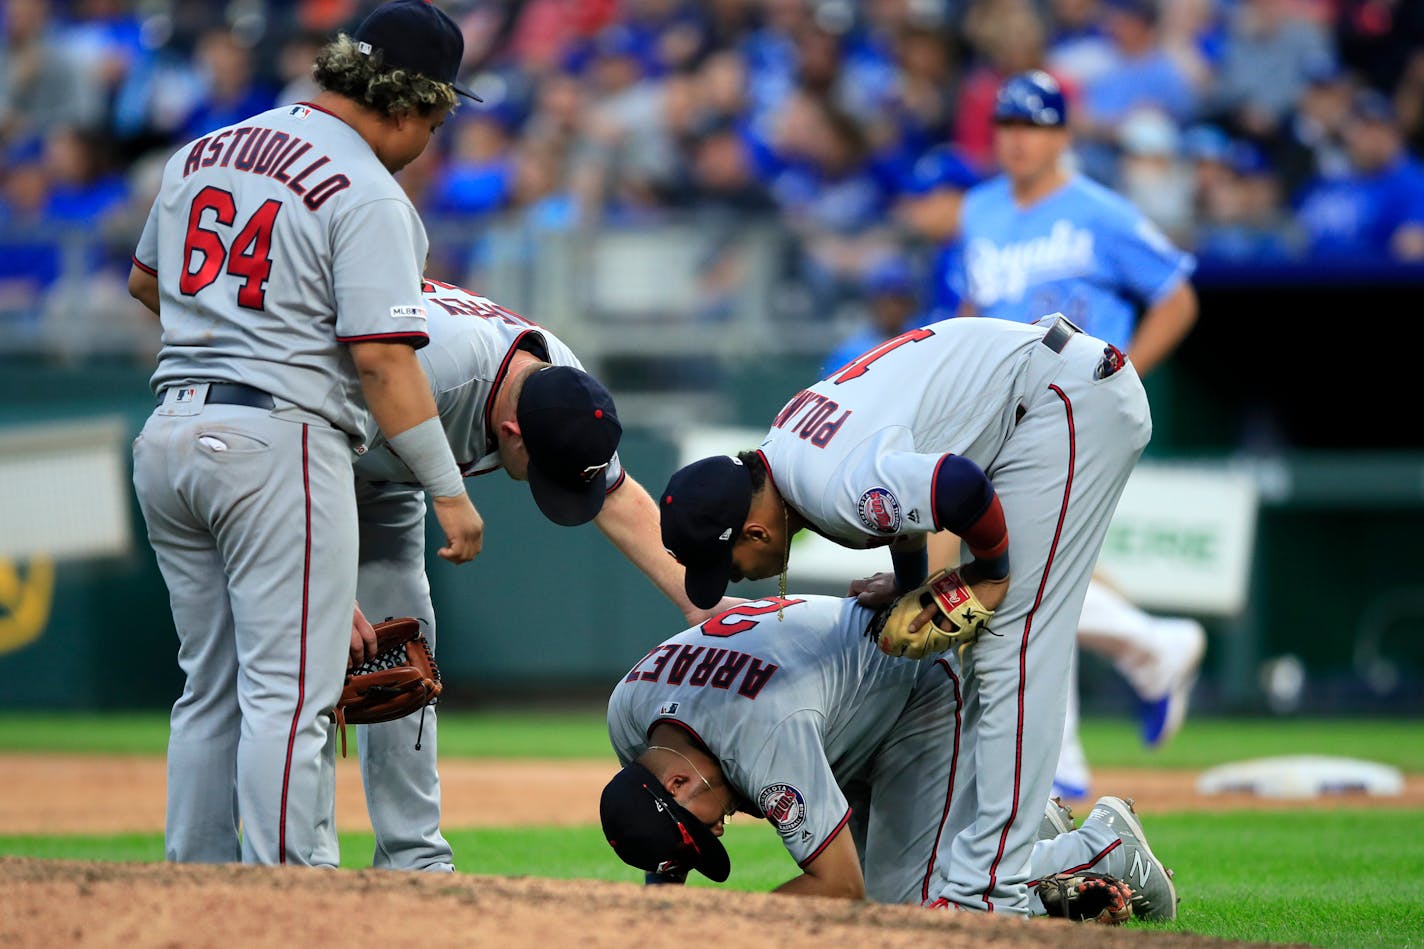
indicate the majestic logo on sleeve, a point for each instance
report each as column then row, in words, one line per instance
column 879, row 511
column 784, row 806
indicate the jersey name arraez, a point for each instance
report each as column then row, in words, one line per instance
column 271, row 153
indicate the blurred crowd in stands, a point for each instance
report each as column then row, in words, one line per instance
column 1252, row 131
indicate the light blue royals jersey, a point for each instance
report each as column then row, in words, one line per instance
column 1083, row 251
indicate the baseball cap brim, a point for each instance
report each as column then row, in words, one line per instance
column 465, row 92
column 706, row 583
column 650, row 830
column 565, row 506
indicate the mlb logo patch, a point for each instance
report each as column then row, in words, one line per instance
column 299, row 111
column 670, row 708
column 408, row 312
column 186, row 395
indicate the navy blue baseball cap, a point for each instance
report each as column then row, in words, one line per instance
column 415, row 36
column 1033, row 97
column 703, row 509
column 649, row 830
column 571, row 430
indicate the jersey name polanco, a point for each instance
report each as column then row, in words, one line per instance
column 856, row 453
column 472, row 341
column 274, row 241
column 790, row 707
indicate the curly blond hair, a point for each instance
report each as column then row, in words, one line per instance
column 345, row 70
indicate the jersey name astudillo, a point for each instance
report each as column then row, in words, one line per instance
column 258, row 229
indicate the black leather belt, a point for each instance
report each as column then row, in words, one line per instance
column 1058, row 334
column 234, row 393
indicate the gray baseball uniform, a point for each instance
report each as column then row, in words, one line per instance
column 274, row 242
column 472, row 341
column 859, row 454
column 819, row 731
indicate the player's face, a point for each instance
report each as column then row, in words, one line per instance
column 1026, row 152
column 711, row 805
column 411, row 136
column 756, row 558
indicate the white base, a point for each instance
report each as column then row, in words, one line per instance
column 1302, row 776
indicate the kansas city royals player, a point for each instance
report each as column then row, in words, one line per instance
column 785, row 709
column 1016, row 438
column 510, row 395
column 1040, row 239
column 284, row 263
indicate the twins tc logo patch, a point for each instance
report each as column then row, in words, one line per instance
column 784, row 806
column 879, row 511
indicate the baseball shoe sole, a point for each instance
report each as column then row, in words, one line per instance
column 1057, row 819
column 1185, row 644
column 1154, row 894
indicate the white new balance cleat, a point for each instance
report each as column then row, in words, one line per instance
column 1179, row 645
column 1154, row 893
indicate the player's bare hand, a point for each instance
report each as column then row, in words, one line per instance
column 363, row 638
column 463, row 526
column 695, row 616
column 874, row 592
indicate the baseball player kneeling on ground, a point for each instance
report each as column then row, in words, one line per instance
column 510, row 395
column 1017, row 438
column 786, row 709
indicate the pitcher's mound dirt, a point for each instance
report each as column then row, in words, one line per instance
column 49, row 903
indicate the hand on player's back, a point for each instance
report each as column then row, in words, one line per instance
column 463, row 526
column 874, row 592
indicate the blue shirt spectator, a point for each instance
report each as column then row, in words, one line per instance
column 1376, row 211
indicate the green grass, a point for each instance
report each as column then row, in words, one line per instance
column 1337, row 878
column 572, row 735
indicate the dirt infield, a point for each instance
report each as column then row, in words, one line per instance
column 50, row 902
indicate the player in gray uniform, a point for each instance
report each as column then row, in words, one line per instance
column 511, row 395
column 785, row 709
column 284, row 263
column 1016, row 438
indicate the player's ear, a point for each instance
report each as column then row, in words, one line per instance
column 756, row 533
column 509, row 430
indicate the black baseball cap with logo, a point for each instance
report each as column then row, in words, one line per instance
column 649, row 830
column 703, row 509
column 415, row 36
column 571, row 430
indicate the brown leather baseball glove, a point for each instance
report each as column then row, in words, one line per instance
column 1087, row 896
column 400, row 680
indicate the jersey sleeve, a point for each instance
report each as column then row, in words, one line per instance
column 1145, row 259
column 791, row 783
column 884, row 488
column 378, row 251
column 145, row 255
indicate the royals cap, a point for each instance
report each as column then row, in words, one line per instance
column 571, row 430
column 703, row 509
column 649, row 830
column 415, row 36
